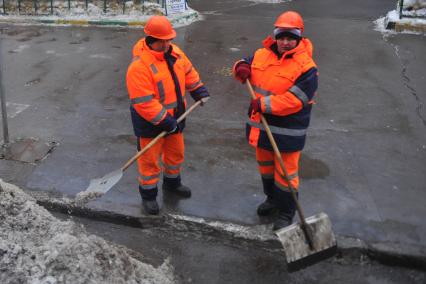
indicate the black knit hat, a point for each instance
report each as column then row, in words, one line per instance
column 291, row 33
column 150, row 40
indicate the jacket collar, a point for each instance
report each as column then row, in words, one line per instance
column 304, row 45
column 156, row 54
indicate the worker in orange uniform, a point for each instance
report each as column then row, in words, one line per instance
column 285, row 78
column 156, row 81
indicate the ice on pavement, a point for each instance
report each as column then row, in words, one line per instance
column 36, row 247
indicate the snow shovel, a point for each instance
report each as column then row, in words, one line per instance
column 100, row 186
column 313, row 239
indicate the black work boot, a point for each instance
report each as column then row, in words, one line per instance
column 149, row 202
column 286, row 206
column 267, row 207
column 283, row 220
column 175, row 186
column 151, row 207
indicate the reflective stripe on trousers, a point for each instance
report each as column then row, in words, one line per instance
column 269, row 167
column 170, row 149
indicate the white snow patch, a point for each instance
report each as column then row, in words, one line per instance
column 84, row 196
column 258, row 232
column 234, row 49
column 21, row 48
column 102, row 56
column 35, row 247
column 393, row 16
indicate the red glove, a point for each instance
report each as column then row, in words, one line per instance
column 242, row 72
column 255, row 106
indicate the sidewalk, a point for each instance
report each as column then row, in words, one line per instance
column 363, row 165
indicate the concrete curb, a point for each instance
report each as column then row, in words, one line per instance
column 83, row 22
column 261, row 235
column 401, row 26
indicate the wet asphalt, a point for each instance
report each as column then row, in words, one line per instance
column 364, row 161
column 198, row 258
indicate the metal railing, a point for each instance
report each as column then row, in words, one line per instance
column 402, row 15
column 20, row 7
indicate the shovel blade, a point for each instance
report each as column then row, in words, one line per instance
column 296, row 248
column 105, row 183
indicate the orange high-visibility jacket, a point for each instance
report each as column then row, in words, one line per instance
column 151, row 87
column 285, row 87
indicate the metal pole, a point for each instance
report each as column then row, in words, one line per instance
column 124, row 6
column 35, row 7
column 69, row 5
column 51, row 7
column 105, row 6
column 3, row 104
column 19, row 6
column 4, row 7
column 87, row 4
column 165, row 6
column 401, row 4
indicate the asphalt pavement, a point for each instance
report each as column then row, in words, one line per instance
column 365, row 157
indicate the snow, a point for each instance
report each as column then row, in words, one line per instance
column 414, row 8
column 258, row 232
column 35, row 247
column 133, row 13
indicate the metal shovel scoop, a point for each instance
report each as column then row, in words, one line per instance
column 313, row 239
column 102, row 185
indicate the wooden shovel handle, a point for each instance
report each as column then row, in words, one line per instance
column 161, row 135
column 281, row 162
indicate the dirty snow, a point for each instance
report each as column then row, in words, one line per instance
column 133, row 13
column 35, row 247
column 86, row 196
column 258, row 232
column 413, row 8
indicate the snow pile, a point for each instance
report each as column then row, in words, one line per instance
column 413, row 20
column 134, row 11
column 413, row 4
column 35, row 247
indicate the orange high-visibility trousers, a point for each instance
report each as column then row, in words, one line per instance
column 171, row 151
column 270, row 168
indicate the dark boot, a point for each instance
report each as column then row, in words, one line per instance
column 175, row 186
column 149, row 202
column 283, row 220
column 267, row 207
column 151, row 207
column 286, row 206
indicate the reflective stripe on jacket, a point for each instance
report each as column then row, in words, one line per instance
column 286, row 87
column 156, row 83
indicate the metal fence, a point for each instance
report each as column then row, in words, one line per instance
column 405, row 15
column 48, row 7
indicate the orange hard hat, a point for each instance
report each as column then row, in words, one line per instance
column 159, row 27
column 290, row 20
